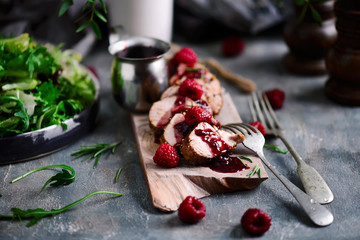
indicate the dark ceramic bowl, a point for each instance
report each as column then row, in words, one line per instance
column 31, row 145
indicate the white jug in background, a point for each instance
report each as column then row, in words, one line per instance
column 150, row 18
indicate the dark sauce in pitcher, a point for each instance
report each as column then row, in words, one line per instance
column 139, row 51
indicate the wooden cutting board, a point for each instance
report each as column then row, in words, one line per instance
column 169, row 187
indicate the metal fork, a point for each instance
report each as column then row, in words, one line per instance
column 313, row 183
column 254, row 140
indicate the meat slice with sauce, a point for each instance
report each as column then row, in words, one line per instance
column 212, row 97
column 206, row 142
column 161, row 111
column 176, row 130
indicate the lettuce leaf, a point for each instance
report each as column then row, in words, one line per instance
column 40, row 85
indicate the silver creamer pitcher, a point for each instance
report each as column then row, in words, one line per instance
column 139, row 72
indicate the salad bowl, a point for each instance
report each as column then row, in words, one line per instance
column 38, row 143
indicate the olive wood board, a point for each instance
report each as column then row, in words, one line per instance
column 168, row 187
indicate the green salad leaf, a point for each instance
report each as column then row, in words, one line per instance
column 40, row 85
column 35, row 215
column 66, row 177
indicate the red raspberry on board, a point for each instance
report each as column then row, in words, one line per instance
column 185, row 55
column 259, row 126
column 255, row 221
column 232, row 46
column 196, row 115
column 276, row 98
column 166, row 156
column 191, row 210
column 190, row 88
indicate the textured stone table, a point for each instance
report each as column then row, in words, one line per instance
column 324, row 133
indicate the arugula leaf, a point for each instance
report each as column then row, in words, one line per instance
column 49, row 84
column 20, row 113
column 275, row 148
column 35, row 215
column 47, row 93
column 94, row 151
column 66, row 177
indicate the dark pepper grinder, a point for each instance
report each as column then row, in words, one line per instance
column 309, row 41
column 343, row 60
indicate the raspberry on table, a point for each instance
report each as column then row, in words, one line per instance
column 255, row 221
column 191, row 210
column 197, row 115
column 185, row 55
column 276, row 98
column 259, row 126
column 166, row 156
column 190, row 88
column 232, row 46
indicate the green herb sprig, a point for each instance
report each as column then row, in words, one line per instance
column 255, row 170
column 245, row 157
column 306, row 4
column 66, row 177
column 37, row 214
column 94, row 151
column 275, row 148
column 117, row 175
column 88, row 10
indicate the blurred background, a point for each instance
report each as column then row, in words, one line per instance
column 197, row 21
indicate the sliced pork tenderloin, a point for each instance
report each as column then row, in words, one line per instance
column 161, row 111
column 206, row 142
column 175, row 131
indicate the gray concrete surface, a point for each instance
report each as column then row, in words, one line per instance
column 323, row 132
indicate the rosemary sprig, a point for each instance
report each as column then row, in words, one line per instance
column 35, row 215
column 65, row 177
column 255, row 170
column 117, row 175
column 245, row 157
column 94, row 151
column 275, row 148
column 87, row 10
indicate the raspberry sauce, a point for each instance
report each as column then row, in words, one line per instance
column 181, row 130
column 227, row 164
column 178, row 107
column 139, row 51
column 216, row 144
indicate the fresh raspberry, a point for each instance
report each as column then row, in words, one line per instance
column 276, row 98
column 191, row 89
column 185, row 55
column 232, row 46
column 166, row 156
column 255, row 221
column 196, row 115
column 191, row 210
column 259, row 126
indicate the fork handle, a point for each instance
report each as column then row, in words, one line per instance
column 317, row 213
column 312, row 181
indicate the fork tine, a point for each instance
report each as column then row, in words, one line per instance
column 272, row 113
column 231, row 127
column 257, row 107
column 252, row 110
column 249, row 127
column 228, row 127
column 264, row 107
